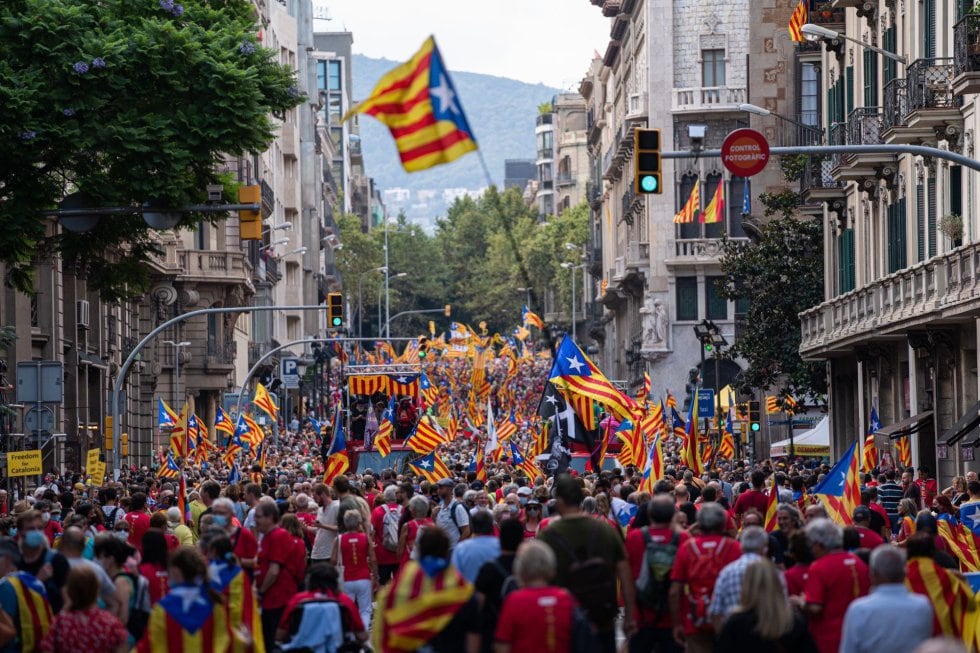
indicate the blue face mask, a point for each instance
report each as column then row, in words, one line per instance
column 219, row 520
column 33, row 539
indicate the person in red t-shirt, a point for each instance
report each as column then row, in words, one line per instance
column 306, row 517
column 387, row 557
column 754, row 498
column 537, row 617
column 354, row 550
column 835, row 579
column 654, row 625
column 243, row 541
column 275, row 583
column 419, row 508
column 693, row 577
column 862, row 524
column 138, row 520
column 153, row 565
column 928, row 489
column 322, row 583
column 797, row 575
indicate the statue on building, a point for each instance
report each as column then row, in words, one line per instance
column 655, row 323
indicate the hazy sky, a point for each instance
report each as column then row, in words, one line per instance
column 546, row 41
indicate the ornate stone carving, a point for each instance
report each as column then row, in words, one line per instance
column 656, row 324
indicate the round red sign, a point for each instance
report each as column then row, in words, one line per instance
column 745, row 152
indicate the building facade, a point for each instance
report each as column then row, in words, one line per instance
column 655, row 280
column 899, row 330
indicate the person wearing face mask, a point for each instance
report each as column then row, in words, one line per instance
column 244, row 544
column 513, row 504
column 72, row 544
column 52, row 529
column 49, row 567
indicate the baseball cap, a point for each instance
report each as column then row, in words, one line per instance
column 862, row 513
column 446, row 482
column 524, row 492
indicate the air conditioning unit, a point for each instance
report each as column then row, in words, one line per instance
column 82, row 313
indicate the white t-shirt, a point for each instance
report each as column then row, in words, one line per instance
column 250, row 520
column 323, row 543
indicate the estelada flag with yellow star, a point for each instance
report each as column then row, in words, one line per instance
column 264, row 401
column 418, row 103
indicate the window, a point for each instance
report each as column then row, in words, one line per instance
column 889, row 43
column 712, row 67
column 896, row 236
column 201, row 235
column 292, row 273
column 931, row 214
column 849, row 74
column 717, row 306
column 809, row 95
column 738, row 187
column 920, row 222
column 845, row 261
column 870, row 79
column 929, row 28
column 321, row 75
column 546, row 145
column 333, row 76
column 687, row 298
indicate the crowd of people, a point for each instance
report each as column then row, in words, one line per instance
column 513, row 564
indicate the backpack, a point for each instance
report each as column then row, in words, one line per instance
column 591, row 580
column 110, row 519
column 653, row 585
column 139, row 604
column 308, row 635
column 510, row 581
column 389, row 528
column 705, row 567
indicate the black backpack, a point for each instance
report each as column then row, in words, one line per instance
column 653, row 585
column 591, row 579
column 348, row 643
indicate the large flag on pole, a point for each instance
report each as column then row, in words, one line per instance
column 531, row 319
column 263, row 400
column 337, row 458
column 574, row 372
column 715, row 211
column 166, row 417
column 840, row 490
column 431, row 467
column 382, row 441
column 418, row 103
column 869, row 455
column 691, row 454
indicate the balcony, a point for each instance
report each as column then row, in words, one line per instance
column 865, row 126
column 544, row 119
column 707, row 98
column 932, row 103
column 565, row 179
column 636, row 107
column 817, row 183
column 619, row 151
column 966, row 55
column 289, row 140
column 354, row 149
column 695, row 251
column 944, row 289
column 213, row 267
column 257, row 350
column 546, row 153
column 268, row 200
column 824, row 13
column 895, row 107
column 221, row 356
column 637, row 255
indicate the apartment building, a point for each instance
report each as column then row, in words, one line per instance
column 655, row 280
column 898, row 329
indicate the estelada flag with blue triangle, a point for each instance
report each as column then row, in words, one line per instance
column 222, row 422
column 337, row 459
column 263, row 400
column 574, row 372
column 166, row 416
column 170, row 468
column 431, row 467
column 840, row 490
column 419, row 104
column 385, row 428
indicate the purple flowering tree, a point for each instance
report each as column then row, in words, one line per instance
column 127, row 101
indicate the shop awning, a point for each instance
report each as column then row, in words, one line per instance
column 907, row 426
column 815, row 442
column 963, row 426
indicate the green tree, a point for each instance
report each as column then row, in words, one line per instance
column 780, row 276
column 126, row 101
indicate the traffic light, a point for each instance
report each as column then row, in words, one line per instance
column 124, row 444
column 335, row 310
column 108, row 432
column 646, row 160
column 250, row 222
column 423, row 347
column 755, row 416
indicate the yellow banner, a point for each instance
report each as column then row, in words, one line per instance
column 96, row 474
column 91, row 460
column 23, row 463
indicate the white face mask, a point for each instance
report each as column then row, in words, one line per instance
column 45, row 517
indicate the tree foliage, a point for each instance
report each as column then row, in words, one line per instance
column 126, row 101
column 780, row 276
column 476, row 261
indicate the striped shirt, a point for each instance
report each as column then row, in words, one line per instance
column 889, row 494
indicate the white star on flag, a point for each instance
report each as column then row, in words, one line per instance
column 445, row 95
column 575, row 363
column 425, row 464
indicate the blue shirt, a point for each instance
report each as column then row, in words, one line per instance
column 890, row 618
column 469, row 555
column 8, row 602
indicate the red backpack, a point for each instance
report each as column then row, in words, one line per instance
column 705, row 565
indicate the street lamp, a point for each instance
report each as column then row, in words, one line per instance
column 387, row 296
column 285, row 226
column 572, row 267
column 819, row 33
column 274, row 244
column 760, row 111
column 177, row 347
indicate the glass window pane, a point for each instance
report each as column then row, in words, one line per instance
column 334, row 80
column 717, row 306
column 687, row 298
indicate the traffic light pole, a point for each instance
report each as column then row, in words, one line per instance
column 396, row 315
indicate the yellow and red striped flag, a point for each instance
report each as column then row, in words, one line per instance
column 772, row 505
column 382, row 440
column 955, row 608
column 692, row 207
column 797, row 21
column 337, row 459
column 264, row 401
column 222, row 422
column 573, row 372
column 420, row 106
column 431, row 467
column 903, row 451
column 532, row 319
column 715, row 211
column 869, row 454
column 170, row 468
column 426, row 436
column 772, row 405
column 840, row 491
column 367, row 384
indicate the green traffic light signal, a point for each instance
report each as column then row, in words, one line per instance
column 646, row 162
column 337, row 322
column 708, row 346
column 649, row 183
column 756, row 426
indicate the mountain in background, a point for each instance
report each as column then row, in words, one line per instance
column 500, row 111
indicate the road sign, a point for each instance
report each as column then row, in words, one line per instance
column 745, row 152
column 289, row 373
column 39, row 418
column 23, row 463
column 40, row 382
column 706, row 402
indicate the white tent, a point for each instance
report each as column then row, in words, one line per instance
column 815, row 442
